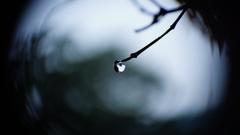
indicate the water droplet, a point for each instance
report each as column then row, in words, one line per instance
column 119, row 66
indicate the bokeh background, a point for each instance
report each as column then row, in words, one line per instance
column 61, row 67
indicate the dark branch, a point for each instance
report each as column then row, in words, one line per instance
column 135, row 54
column 141, row 8
column 147, row 26
column 156, row 17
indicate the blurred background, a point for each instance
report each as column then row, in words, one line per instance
column 61, row 80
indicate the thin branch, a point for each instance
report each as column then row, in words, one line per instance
column 141, row 8
column 156, row 17
column 177, row 9
column 147, row 26
column 137, row 53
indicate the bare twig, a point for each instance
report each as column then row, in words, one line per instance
column 156, row 17
column 141, row 8
column 135, row 54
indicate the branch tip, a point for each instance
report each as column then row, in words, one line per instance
column 161, row 12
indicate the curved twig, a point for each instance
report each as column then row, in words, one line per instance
column 137, row 53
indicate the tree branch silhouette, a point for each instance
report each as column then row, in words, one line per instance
column 156, row 16
column 161, row 12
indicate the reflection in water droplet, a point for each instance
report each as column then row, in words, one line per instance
column 119, row 66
